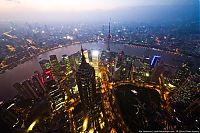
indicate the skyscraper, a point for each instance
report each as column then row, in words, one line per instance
column 29, row 88
column 55, row 66
column 95, row 61
column 67, row 64
column 38, row 83
column 45, row 64
column 85, row 77
column 26, row 90
column 75, row 60
column 155, row 61
column 109, row 37
column 21, row 91
column 56, row 95
column 86, row 82
column 8, row 116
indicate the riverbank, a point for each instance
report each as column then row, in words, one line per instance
column 16, row 63
column 25, row 70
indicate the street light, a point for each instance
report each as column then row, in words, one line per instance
column 30, row 128
column 85, row 124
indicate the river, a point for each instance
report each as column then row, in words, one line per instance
column 25, row 70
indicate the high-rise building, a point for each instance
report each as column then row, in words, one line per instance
column 29, row 88
column 75, row 60
column 54, row 61
column 45, row 64
column 67, row 64
column 109, row 37
column 21, row 91
column 182, row 74
column 155, row 61
column 38, row 84
column 90, row 55
column 85, row 77
column 55, row 66
column 26, row 90
column 86, row 54
column 86, row 82
column 95, row 61
column 8, row 116
column 120, row 59
column 56, row 95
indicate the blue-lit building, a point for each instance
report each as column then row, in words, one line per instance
column 155, row 60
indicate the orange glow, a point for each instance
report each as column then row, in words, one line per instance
column 72, row 100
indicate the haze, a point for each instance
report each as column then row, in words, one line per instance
column 93, row 10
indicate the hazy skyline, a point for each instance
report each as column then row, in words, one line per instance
column 36, row 10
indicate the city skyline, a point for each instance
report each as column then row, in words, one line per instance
column 99, row 66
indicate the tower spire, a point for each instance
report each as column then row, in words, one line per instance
column 109, row 37
column 83, row 57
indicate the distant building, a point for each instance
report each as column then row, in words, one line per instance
column 182, row 74
column 109, row 37
column 155, row 60
column 157, row 71
column 120, row 59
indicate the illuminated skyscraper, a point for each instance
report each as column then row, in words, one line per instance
column 155, row 61
column 38, row 84
column 55, row 66
column 75, row 60
column 86, row 82
column 95, row 61
column 86, row 54
column 45, row 64
column 67, row 64
column 54, row 61
column 85, row 77
column 56, row 95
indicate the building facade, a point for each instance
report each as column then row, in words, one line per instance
column 86, row 82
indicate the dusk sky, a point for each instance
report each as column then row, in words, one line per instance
column 55, row 9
